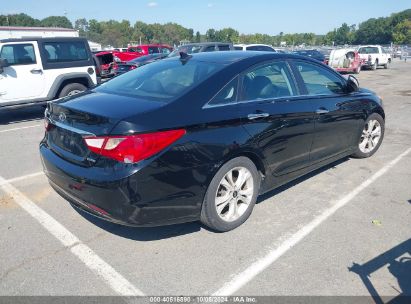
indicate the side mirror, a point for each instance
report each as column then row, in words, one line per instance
column 3, row 64
column 352, row 84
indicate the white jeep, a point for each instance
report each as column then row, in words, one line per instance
column 35, row 70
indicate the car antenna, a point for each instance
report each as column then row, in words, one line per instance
column 184, row 57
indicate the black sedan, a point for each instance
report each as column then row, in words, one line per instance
column 200, row 137
column 123, row 67
column 314, row 54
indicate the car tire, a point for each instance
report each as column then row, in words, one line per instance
column 370, row 138
column 72, row 89
column 236, row 186
column 387, row 65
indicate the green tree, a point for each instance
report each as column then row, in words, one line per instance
column 18, row 20
column 402, row 32
column 211, row 35
column 82, row 26
column 56, row 21
column 198, row 37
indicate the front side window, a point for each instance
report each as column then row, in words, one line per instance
column 268, row 81
column 18, row 54
column 161, row 81
column 153, row 50
column 65, row 51
column 319, row 81
column 165, row 51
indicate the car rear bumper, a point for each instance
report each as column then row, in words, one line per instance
column 127, row 197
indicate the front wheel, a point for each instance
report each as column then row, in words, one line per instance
column 371, row 136
column 231, row 195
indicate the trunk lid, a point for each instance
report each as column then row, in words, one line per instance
column 86, row 115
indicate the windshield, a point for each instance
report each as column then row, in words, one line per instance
column 163, row 80
column 188, row 49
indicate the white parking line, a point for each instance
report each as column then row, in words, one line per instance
column 21, row 128
column 114, row 279
column 242, row 278
column 20, row 178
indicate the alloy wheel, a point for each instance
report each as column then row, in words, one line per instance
column 370, row 136
column 234, row 194
column 74, row 92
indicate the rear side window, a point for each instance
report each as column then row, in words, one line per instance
column 162, row 80
column 224, row 47
column 261, row 48
column 227, row 95
column 209, row 48
column 268, row 81
column 65, row 51
column 18, row 54
column 319, row 81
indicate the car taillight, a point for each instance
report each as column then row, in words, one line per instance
column 133, row 148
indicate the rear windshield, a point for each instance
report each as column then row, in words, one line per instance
column 161, row 81
column 368, row 50
column 65, row 51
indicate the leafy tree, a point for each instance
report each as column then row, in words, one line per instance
column 402, row 32
column 18, row 20
column 56, row 21
column 211, row 34
column 82, row 26
column 198, row 37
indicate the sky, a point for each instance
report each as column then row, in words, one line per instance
column 246, row 16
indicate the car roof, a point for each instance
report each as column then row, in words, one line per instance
column 203, row 44
column 228, row 57
column 253, row 44
column 42, row 39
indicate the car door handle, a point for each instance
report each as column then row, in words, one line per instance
column 36, row 71
column 322, row 111
column 257, row 116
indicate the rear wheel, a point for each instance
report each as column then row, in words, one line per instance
column 231, row 195
column 387, row 65
column 371, row 136
column 72, row 89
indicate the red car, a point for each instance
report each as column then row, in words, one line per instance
column 107, row 64
column 141, row 50
column 345, row 61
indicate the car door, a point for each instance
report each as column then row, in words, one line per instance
column 23, row 79
column 273, row 114
column 337, row 113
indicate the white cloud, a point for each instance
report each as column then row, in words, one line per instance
column 152, row 4
column 210, row 5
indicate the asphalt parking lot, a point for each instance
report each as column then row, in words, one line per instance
column 343, row 230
